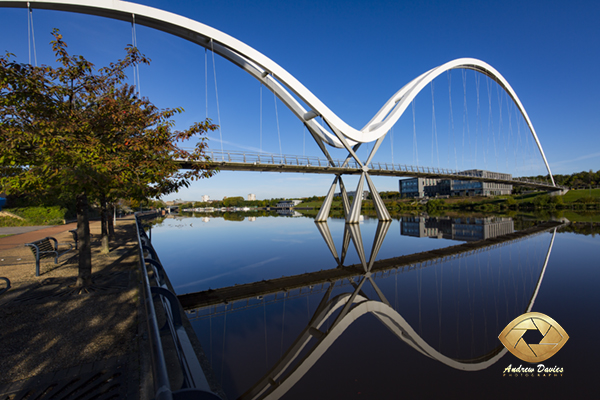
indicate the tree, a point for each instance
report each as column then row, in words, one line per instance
column 233, row 201
column 76, row 133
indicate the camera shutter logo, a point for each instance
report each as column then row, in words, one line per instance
column 554, row 337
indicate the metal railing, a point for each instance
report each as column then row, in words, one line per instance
column 309, row 161
column 194, row 380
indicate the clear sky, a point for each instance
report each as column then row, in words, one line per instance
column 354, row 55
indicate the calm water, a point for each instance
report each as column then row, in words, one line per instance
column 428, row 329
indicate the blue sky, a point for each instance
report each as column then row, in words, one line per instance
column 354, row 55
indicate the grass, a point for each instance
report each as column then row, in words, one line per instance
column 1, row 236
column 32, row 216
column 9, row 221
column 581, row 217
column 312, row 204
column 574, row 195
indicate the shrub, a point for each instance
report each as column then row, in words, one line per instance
column 53, row 215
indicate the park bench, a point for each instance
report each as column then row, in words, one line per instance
column 75, row 238
column 44, row 248
column 7, row 285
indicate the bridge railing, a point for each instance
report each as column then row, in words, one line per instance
column 154, row 285
column 310, row 161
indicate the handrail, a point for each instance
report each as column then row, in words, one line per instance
column 194, row 380
column 311, row 161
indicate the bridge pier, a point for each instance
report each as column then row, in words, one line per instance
column 558, row 192
column 326, row 206
column 352, row 213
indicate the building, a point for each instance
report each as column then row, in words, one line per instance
column 479, row 188
column 353, row 194
column 425, row 187
column 251, row 197
column 288, row 203
column 467, row 229
column 205, row 198
column 288, row 212
column 432, row 187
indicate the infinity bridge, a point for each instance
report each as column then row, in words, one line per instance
column 326, row 128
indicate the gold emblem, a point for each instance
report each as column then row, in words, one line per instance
column 554, row 337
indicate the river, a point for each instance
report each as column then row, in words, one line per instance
column 395, row 324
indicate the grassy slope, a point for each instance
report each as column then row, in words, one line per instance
column 54, row 215
column 574, row 195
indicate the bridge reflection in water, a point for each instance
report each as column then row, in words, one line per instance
column 448, row 307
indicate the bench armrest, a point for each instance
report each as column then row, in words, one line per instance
column 66, row 244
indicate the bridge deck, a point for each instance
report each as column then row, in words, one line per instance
column 240, row 161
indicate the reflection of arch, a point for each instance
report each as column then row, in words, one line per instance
column 279, row 380
column 277, row 79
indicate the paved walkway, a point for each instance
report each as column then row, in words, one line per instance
column 27, row 234
column 58, row 343
column 15, row 230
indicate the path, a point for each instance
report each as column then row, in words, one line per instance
column 54, row 338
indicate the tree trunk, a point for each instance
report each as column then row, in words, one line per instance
column 104, row 224
column 85, row 250
column 111, row 225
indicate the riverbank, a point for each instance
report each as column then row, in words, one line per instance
column 53, row 337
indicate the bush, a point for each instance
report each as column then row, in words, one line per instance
column 587, row 199
column 541, row 201
column 435, row 204
column 53, row 215
column 557, row 200
column 9, row 221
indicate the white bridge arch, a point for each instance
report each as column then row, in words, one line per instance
column 287, row 88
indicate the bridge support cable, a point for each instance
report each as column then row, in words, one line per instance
column 434, row 135
column 31, row 35
column 303, row 140
column 277, row 120
column 136, row 68
column 302, row 102
column 392, row 143
column 415, row 148
column 206, row 81
column 465, row 118
column 451, row 121
column 212, row 50
column 478, row 119
column 260, row 118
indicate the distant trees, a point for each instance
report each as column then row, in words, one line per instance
column 577, row 180
column 233, row 202
column 72, row 132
